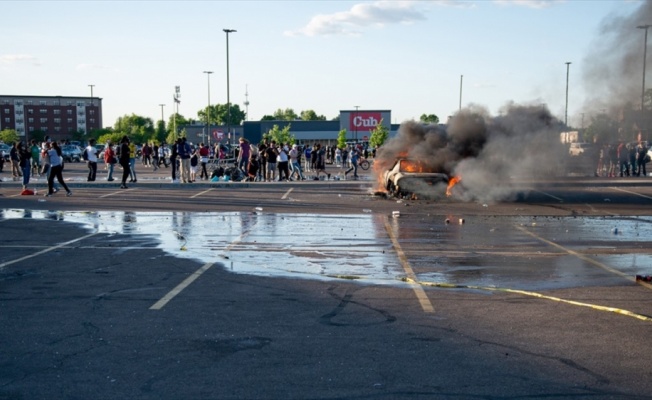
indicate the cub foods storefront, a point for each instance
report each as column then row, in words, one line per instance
column 357, row 123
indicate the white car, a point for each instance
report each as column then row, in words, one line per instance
column 408, row 176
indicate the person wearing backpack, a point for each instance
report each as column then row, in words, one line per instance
column 124, row 161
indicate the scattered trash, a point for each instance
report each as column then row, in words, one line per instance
column 396, row 214
column 485, row 205
column 448, row 221
column 259, row 209
column 41, row 200
column 644, row 278
column 366, row 210
column 615, row 231
column 461, row 221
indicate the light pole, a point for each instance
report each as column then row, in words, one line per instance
column 646, row 27
column 568, row 63
column 208, row 109
column 91, row 86
column 355, row 125
column 461, row 80
column 228, row 99
column 162, row 116
column 177, row 95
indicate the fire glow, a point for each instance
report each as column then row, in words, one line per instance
column 454, row 180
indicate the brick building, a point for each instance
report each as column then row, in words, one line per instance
column 56, row 116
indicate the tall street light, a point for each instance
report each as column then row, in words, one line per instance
column 646, row 27
column 461, row 80
column 162, row 116
column 228, row 99
column 208, row 109
column 568, row 63
column 355, row 123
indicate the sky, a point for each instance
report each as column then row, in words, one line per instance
column 410, row 57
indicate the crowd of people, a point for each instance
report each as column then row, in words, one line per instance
column 623, row 160
column 266, row 161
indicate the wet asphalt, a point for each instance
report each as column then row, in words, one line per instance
column 318, row 290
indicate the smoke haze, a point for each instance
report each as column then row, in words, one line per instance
column 492, row 154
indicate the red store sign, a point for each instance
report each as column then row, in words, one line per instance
column 364, row 121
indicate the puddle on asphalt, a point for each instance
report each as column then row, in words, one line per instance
column 258, row 243
column 485, row 251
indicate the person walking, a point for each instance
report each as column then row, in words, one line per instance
column 56, row 169
column 161, row 156
column 295, row 163
column 155, row 156
column 15, row 162
column 124, row 160
column 91, row 160
column 36, row 157
column 109, row 160
column 354, row 155
column 132, row 162
column 24, row 161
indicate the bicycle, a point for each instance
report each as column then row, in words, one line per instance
column 364, row 163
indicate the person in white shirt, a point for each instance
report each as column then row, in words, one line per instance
column 91, row 160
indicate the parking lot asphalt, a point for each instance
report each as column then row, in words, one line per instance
column 109, row 309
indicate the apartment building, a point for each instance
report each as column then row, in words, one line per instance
column 56, row 116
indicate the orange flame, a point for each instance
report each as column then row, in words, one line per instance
column 454, row 180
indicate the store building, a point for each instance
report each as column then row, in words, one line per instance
column 56, row 116
column 357, row 123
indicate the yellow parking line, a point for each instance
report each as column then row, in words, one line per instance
column 426, row 305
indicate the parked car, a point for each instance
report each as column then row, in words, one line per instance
column 4, row 151
column 578, row 149
column 408, row 176
column 71, row 153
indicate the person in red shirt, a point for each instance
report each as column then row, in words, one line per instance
column 204, row 152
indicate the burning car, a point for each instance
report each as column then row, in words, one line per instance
column 408, row 176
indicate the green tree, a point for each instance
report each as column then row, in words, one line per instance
column 280, row 135
column 341, row 139
column 9, row 136
column 602, row 129
column 431, row 118
column 379, row 135
column 285, row 115
column 219, row 115
column 310, row 115
column 268, row 118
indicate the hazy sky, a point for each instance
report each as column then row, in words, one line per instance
column 403, row 56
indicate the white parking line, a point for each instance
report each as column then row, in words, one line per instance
column 630, row 192
column 114, row 193
column 426, row 305
column 551, row 196
column 285, row 196
column 38, row 253
column 200, row 193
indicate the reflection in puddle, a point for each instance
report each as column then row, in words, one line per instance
column 309, row 246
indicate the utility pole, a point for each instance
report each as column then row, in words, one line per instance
column 567, row 73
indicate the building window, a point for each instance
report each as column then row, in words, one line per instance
column 43, row 111
column 31, row 120
column 70, row 120
column 57, row 112
column 44, row 120
column 92, row 112
column 69, row 112
column 92, row 120
column 42, row 103
column 6, row 111
column 7, row 120
column 57, row 128
column 30, row 102
column 57, row 120
column 30, row 111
